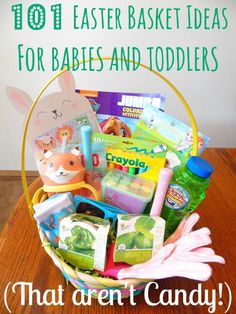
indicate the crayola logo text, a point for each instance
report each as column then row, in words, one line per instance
column 125, row 161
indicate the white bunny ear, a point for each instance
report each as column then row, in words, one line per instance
column 75, row 151
column 20, row 100
column 67, row 82
column 47, row 154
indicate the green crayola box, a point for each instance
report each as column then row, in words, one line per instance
column 133, row 153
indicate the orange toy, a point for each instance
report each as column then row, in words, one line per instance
column 63, row 172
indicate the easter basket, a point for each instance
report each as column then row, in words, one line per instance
column 79, row 279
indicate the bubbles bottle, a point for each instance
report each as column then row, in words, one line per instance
column 185, row 192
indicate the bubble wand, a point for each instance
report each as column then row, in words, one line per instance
column 165, row 176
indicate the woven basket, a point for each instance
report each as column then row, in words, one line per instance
column 78, row 279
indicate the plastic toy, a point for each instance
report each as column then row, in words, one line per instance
column 63, row 172
column 86, row 134
column 126, row 191
column 100, row 209
column 186, row 191
column 165, row 176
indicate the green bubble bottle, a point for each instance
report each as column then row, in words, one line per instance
column 186, row 191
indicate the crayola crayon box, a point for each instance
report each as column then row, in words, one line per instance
column 136, row 156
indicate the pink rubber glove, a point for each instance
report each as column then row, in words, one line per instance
column 184, row 227
column 194, row 271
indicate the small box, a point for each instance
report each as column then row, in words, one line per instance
column 139, row 237
column 83, row 241
column 126, row 191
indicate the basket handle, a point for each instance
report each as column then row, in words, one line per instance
column 172, row 86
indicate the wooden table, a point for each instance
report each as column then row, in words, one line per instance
column 23, row 259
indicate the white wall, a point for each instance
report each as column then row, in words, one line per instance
column 212, row 95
